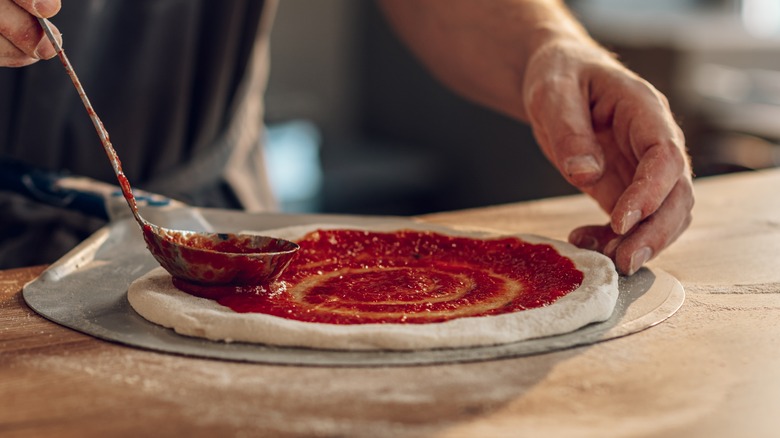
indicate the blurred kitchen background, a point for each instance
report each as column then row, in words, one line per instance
column 356, row 125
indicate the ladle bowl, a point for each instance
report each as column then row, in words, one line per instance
column 219, row 258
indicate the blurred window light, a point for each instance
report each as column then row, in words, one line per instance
column 761, row 18
column 293, row 161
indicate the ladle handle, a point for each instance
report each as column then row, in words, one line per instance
column 101, row 130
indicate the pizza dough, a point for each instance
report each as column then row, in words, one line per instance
column 155, row 298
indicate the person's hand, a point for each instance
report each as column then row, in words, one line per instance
column 22, row 41
column 609, row 132
column 613, row 136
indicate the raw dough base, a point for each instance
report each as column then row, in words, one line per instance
column 155, row 298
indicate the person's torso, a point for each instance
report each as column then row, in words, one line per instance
column 161, row 74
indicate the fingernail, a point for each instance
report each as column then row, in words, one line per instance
column 639, row 258
column 629, row 220
column 582, row 165
column 44, row 8
column 44, row 49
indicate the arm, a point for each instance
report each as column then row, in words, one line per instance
column 22, row 41
column 609, row 132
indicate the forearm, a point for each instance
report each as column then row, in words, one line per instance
column 481, row 49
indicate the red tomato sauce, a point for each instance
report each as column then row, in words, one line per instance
column 360, row 277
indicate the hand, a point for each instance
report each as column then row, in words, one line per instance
column 22, row 41
column 612, row 135
column 609, row 132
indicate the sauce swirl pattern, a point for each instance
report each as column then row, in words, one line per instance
column 343, row 276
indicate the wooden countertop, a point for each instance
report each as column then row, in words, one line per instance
column 713, row 369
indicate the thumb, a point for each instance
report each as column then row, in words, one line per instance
column 579, row 159
column 40, row 8
column 561, row 119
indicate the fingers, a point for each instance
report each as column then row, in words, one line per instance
column 654, row 205
column 559, row 114
column 657, row 231
column 657, row 142
column 11, row 56
column 568, row 141
column 658, row 172
column 22, row 41
column 631, row 251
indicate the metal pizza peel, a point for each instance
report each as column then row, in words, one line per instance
column 74, row 293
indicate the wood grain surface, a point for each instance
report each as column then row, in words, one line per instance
column 713, row 369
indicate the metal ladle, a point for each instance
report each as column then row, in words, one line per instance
column 195, row 257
